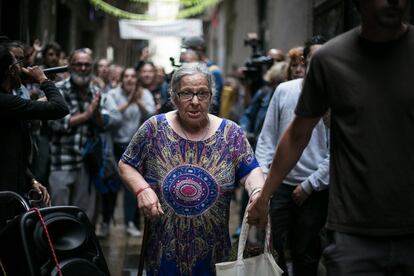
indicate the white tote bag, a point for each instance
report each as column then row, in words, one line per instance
column 262, row 265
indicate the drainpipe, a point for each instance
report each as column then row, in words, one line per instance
column 262, row 21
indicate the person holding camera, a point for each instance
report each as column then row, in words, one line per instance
column 15, row 143
column 253, row 117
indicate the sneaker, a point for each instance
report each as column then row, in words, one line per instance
column 103, row 230
column 132, row 230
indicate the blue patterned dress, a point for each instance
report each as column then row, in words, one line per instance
column 194, row 182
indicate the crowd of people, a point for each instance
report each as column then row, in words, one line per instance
column 320, row 141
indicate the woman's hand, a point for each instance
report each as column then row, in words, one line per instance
column 37, row 45
column 41, row 190
column 135, row 96
column 149, row 203
column 258, row 208
column 132, row 97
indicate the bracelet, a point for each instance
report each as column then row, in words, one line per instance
column 141, row 190
column 256, row 190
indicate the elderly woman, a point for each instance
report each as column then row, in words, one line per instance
column 183, row 166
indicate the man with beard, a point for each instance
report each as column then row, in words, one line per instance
column 69, row 178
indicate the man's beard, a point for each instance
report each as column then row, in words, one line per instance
column 81, row 79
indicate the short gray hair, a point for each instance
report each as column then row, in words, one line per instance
column 188, row 69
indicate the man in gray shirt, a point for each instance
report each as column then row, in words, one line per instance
column 299, row 205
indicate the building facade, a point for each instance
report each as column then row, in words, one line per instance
column 71, row 23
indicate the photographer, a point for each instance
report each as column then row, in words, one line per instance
column 254, row 68
column 257, row 88
column 15, row 144
column 253, row 117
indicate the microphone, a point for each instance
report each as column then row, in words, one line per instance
column 55, row 70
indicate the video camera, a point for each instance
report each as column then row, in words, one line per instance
column 257, row 63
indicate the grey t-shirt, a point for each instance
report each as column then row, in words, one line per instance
column 132, row 115
column 369, row 88
column 311, row 171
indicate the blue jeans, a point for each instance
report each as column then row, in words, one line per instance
column 369, row 256
column 298, row 228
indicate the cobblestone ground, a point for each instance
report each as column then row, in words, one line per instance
column 122, row 251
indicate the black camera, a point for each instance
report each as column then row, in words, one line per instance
column 257, row 63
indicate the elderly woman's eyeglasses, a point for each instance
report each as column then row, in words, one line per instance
column 189, row 95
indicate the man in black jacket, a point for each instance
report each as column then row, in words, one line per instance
column 15, row 144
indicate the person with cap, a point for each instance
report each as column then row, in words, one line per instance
column 197, row 44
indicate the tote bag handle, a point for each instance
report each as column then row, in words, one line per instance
column 244, row 233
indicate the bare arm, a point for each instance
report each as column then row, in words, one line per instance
column 132, row 179
column 253, row 183
column 135, row 182
column 289, row 150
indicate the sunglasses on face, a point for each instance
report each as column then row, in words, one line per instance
column 19, row 61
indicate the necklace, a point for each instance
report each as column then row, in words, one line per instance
column 185, row 134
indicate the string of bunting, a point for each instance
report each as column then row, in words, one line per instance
column 185, row 3
column 192, row 7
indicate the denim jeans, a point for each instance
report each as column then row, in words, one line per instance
column 298, row 229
